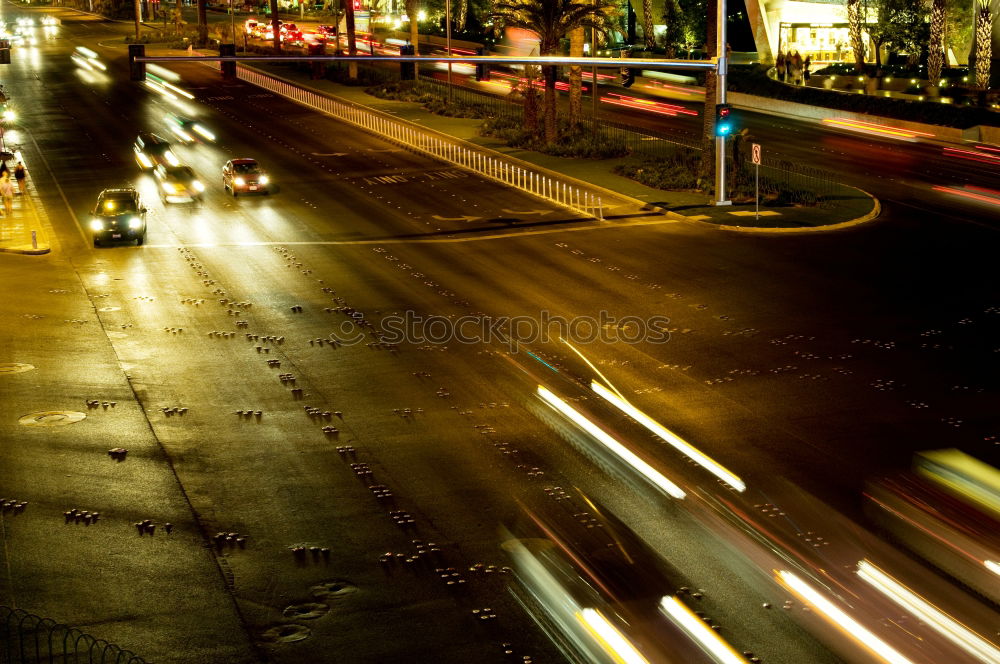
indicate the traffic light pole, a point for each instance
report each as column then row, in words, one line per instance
column 720, row 98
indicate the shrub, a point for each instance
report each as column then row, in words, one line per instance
column 753, row 79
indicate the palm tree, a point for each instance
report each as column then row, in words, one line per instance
column 352, row 43
column 935, row 54
column 202, row 23
column 855, row 24
column 552, row 20
column 411, row 14
column 576, row 40
column 707, row 170
column 647, row 24
column 984, row 46
column 274, row 26
column 463, row 14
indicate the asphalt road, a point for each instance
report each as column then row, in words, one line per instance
column 820, row 360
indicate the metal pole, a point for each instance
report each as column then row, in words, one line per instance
column 756, row 187
column 720, row 97
column 447, row 30
column 232, row 15
column 593, row 94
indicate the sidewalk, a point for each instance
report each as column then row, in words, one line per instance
column 688, row 206
column 25, row 231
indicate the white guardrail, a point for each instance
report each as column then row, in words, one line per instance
column 486, row 165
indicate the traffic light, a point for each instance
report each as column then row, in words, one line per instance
column 628, row 77
column 137, row 70
column 723, row 120
column 482, row 69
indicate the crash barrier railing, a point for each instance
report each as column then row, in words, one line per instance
column 29, row 639
column 490, row 166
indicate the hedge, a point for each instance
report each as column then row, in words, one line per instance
column 753, row 79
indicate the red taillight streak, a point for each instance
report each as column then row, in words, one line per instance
column 968, row 194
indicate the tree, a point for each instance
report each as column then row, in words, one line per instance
column 463, row 14
column 675, row 27
column 935, row 45
column 984, row 45
column 647, row 24
column 900, row 25
column 855, row 25
column 551, row 21
column 178, row 17
column 202, row 23
column 276, row 31
column 707, row 170
column 694, row 22
column 412, row 9
column 576, row 40
column 352, row 43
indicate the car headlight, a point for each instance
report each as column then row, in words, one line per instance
column 239, row 182
column 134, row 222
column 144, row 160
column 169, row 187
column 171, row 158
column 96, row 225
column 263, row 179
column 198, row 186
column 9, row 115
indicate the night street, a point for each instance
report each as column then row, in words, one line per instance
column 338, row 492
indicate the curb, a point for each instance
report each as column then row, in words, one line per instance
column 875, row 212
column 26, row 250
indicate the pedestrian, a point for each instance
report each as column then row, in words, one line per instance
column 779, row 64
column 796, row 68
column 3, row 167
column 7, row 191
column 805, row 67
column 20, row 173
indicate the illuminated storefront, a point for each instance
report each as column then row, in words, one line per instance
column 817, row 28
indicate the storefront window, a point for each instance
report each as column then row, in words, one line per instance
column 821, row 42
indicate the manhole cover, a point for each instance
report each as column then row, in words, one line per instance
column 286, row 634
column 306, row 611
column 15, row 367
column 333, row 589
column 110, row 309
column 51, row 418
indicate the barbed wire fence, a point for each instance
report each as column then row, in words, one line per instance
column 29, row 639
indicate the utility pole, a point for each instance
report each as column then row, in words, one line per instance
column 722, row 55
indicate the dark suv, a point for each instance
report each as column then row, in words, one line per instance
column 118, row 216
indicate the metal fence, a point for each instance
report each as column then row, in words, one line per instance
column 550, row 187
column 29, row 639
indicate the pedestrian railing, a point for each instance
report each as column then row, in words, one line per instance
column 489, row 165
column 29, row 639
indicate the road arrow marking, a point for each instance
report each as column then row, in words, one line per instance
column 527, row 212
column 455, row 218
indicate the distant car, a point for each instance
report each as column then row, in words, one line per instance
column 327, row 30
column 118, row 216
column 250, row 24
column 151, row 150
column 188, row 130
column 50, row 20
column 243, row 176
column 178, row 184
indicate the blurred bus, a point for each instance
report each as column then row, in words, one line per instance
column 947, row 510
